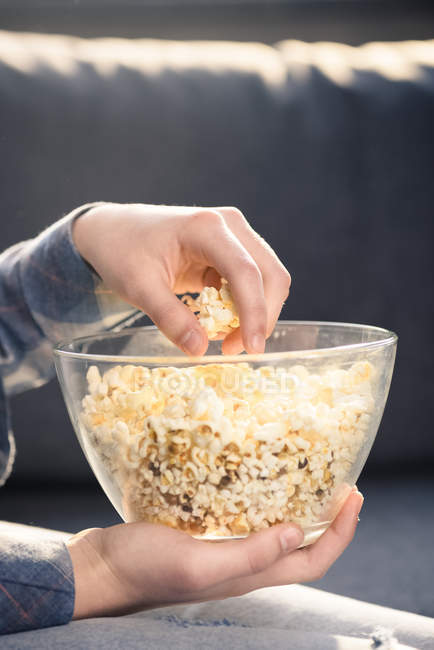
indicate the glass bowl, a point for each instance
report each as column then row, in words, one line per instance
column 222, row 446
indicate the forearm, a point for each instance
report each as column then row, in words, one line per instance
column 48, row 293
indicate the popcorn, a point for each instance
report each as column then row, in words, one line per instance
column 228, row 449
column 215, row 310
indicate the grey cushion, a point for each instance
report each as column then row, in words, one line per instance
column 327, row 149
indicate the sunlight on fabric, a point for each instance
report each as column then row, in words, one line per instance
column 65, row 55
column 32, row 51
column 154, row 55
column 387, row 642
column 341, row 63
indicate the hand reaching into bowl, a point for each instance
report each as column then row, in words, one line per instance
column 147, row 254
column 132, row 567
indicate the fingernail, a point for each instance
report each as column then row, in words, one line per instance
column 192, row 343
column 257, row 343
column 360, row 505
column 290, row 539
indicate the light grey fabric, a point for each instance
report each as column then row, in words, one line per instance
column 290, row 618
column 294, row 617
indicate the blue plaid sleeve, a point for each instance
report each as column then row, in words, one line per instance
column 36, row 580
column 47, row 293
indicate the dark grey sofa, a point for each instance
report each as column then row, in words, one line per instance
column 328, row 150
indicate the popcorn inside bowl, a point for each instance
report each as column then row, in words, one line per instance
column 226, row 449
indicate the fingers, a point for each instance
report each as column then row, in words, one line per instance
column 306, row 564
column 172, row 317
column 214, row 243
column 312, row 562
column 146, row 565
column 214, row 564
column 335, row 540
column 233, row 343
column 276, row 279
column 184, row 247
column 211, row 278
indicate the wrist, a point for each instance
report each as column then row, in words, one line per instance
column 84, row 231
column 89, row 578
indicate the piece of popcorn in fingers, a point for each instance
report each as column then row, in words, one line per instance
column 215, row 310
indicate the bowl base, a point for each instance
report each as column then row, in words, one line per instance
column 311, row 534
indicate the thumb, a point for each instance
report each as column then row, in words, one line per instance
column 243, row 558
column 174, row 318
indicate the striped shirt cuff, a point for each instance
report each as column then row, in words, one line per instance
column 36, row 580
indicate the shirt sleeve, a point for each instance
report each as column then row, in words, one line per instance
column 36, row 580
column 49, row 293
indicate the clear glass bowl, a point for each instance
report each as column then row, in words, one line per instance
column 223, row 446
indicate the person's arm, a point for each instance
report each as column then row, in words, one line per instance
column 49, row 293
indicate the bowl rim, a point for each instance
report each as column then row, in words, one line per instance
column 390, row 338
